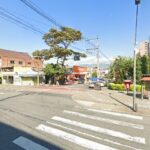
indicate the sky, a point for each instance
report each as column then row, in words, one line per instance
column 113, row 21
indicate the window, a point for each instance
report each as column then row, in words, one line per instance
column 20, row 62
column 29, row 63
column 12, row 62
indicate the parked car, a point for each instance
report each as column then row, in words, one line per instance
column 96, row 82
column 102, row 82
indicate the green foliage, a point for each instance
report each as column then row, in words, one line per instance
column 59, row 42
column 119, row 87
column 122, row 68
column 54, row 70
column 94, row 74
column 145, row 64
column 46, row 54
column 138, row 70
column 138, row 88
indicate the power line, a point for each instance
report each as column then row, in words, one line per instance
column 8, row 16
column 35, row 8
column 39, row 11
column 95, row 47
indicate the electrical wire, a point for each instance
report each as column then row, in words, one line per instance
column 39, row 11
column 8, row 16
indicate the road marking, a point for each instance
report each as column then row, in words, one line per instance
column 73, row 138
column 122, row 123
column 101, row 130
column 92, row 136
column 117, row 114
column 28, row 144
column 85, row 103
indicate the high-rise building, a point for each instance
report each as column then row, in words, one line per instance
column 144, row 48
column 149, row 47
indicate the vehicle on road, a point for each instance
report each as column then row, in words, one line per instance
column 96, row 82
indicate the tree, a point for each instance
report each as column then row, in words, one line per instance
column 43, row 54
column 145, row 64
column 138, row 70
column 121, row 69
column 59, row 42
column 94, row 74
column 54, row 72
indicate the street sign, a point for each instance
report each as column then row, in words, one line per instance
column 76, row 57
column 137, row 2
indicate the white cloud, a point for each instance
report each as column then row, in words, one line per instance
column 89, row 60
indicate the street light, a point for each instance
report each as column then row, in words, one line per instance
column 137, row 2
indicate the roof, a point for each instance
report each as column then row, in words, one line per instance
column 14, row 54
column 145, row 79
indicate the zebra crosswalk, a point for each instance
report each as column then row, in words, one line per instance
column 90, row 130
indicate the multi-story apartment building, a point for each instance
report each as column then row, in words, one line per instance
column 19, row 68
column 144, row 48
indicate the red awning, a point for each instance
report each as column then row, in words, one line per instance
column 145, row 79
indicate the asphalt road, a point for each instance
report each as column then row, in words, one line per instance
column 37, row 120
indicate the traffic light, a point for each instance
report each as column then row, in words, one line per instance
column 137, row 2
column 76, row 57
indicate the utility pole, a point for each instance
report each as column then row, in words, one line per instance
column 38, row 69
column 96, row 48
column 137, row 2
column 98, row 59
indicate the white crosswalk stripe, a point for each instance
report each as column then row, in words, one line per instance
column 101, row 130
column 74, row 139
column 122, row 123
column 92, row 136
column 79, row 132
column 27, row 144
column 117, row 114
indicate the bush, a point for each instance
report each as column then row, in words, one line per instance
column 119, row 87
column 111, row 86
column 138, row 88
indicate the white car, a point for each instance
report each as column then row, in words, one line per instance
column 91, row 85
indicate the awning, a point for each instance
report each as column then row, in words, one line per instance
column 30, row 73
column 145, row 79
column 79, row 73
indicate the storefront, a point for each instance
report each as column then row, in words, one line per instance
column 80, row 73
column 23, row 76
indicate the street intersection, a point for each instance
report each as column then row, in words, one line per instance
column 35, row 119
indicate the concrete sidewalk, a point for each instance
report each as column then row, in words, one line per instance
column 112, row 100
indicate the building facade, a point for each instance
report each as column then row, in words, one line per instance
column 143, row 48
column 19, row 68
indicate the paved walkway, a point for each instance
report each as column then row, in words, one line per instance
column 112, row 100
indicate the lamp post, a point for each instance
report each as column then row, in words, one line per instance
column 137, row 2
